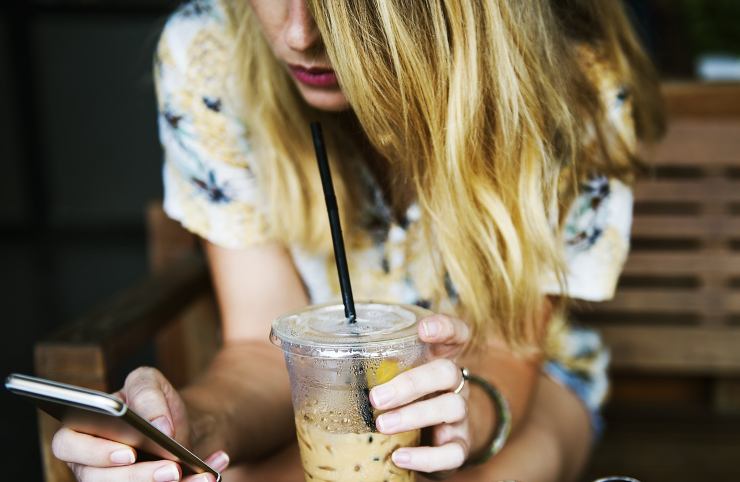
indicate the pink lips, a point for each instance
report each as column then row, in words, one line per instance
column 314, row 77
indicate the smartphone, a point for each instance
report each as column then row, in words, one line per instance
column 103, row 415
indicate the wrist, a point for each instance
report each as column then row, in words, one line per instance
column 500, row 430
column 205, row 422
column 483, row 419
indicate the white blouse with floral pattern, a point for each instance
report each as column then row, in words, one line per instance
column 211, row 190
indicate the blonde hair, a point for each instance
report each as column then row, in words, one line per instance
column 477, row 105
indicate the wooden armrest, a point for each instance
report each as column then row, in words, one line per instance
column 85, row 351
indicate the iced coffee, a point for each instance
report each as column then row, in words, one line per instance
column 342, row 455
column 332, row 366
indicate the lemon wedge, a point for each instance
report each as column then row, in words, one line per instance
column 384, row 373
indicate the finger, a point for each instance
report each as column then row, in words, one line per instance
column 146, row 396
column 161, row 471
column 449, row 432
column 218, row 461
column 446, row 408
column 80, row 448
column 444, row 329
column 435, row 376
column 432, row 459
column 200, row 478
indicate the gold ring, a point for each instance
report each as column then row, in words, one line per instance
column 465, row 374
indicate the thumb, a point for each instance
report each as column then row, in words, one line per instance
column 446, row 335
column 144, row 392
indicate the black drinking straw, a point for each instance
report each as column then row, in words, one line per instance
column 340, row 256
column 336, row 228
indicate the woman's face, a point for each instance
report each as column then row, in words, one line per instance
column 295, row 40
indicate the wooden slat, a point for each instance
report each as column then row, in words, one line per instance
column 681, row 263
column 658, row 226
column 702, row 99
column 656, row 300
column 186, row 346
column 694, row 190
column 732, row 303
column 54, row 469
column 77, row 365
column 674, row 349
column 631, row 389
column 82, row 365
column 727, row 395
column 698, row 142
column 167, row 241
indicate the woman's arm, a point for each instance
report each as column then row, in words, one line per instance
column 547, row 419
column 551, row 445
column 515, row 376
column 242, row 403
column 516, row 379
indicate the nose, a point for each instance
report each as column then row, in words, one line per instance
column 301, row 33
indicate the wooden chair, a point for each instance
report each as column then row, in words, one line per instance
column 674, row 325
column 677, row 309
column 172, row 311
column 675, row 320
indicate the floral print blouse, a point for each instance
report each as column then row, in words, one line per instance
column 211, row 190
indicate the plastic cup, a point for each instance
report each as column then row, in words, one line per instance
column 332, row 365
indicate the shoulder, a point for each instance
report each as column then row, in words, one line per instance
column 196, row 42
column 191, row 21
column 198, row 91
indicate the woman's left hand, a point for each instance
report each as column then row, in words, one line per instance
column 446, row 413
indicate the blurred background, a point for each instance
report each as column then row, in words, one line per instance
column 80, row 161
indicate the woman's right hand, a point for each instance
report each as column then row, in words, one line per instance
column 148, row 393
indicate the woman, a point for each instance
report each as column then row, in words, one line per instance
column 482, row 154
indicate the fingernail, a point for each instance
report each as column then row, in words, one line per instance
column 389, row 421
column 219, row 461
column 382, row 395
column 167, row 473
column 203, row 478
column 123, row 457
column 401, row 457
column 163, row 425
column 430, row 327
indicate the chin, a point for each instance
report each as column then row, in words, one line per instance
column 329, row 100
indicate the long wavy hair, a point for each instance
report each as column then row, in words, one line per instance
column 481, row 110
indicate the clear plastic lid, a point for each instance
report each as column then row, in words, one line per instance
column 323, row 331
